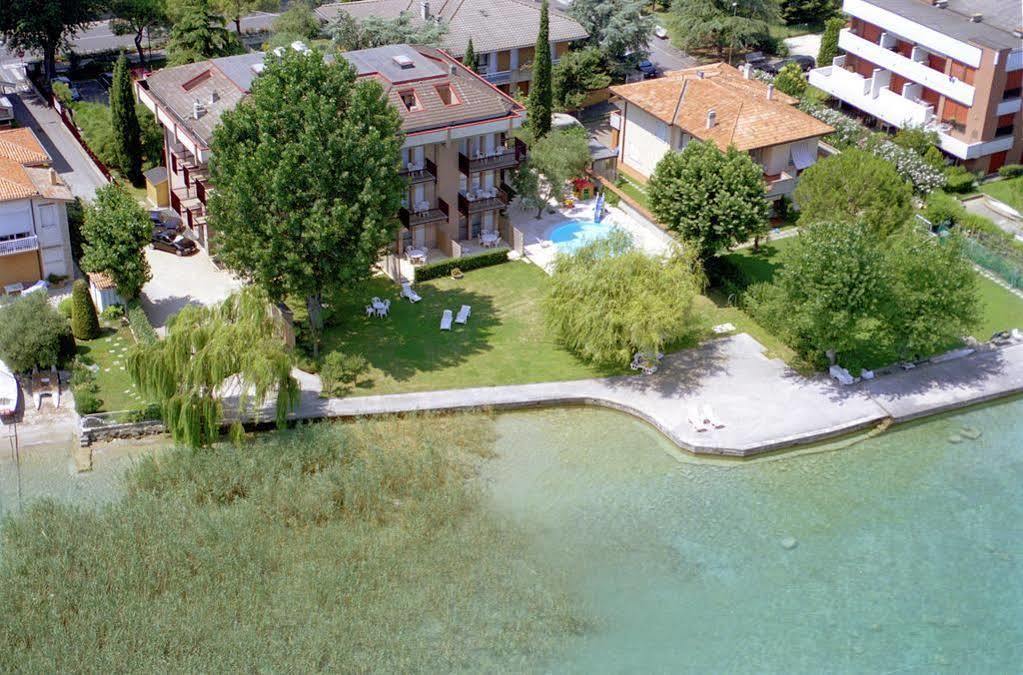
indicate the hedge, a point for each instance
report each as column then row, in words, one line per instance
column 1011, row 171
column 143, row 331
column 471, row 262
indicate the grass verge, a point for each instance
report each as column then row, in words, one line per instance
column 1009, row 191
column 110, row 352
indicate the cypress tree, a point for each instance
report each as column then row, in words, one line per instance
column 541, row 96
column 469, row 60
column 84, row 322
column 127, row 132
column 829, row 41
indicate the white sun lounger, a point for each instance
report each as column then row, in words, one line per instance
column 407, row 292
column 707, row 413
column 445, row 320
column 696, row 419
column 463, row 314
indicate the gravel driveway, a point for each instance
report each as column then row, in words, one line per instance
column 178, row 282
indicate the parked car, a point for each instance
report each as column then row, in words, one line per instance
column 175, row 243
column 805, row 63
column 106, row 80
column 756, row 59
column 648, row 69
column 661, row 32
column 75, row 94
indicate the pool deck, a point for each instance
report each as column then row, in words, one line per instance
column 763, row 403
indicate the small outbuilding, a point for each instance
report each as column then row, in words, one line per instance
column 103, row 291
column 157, row 187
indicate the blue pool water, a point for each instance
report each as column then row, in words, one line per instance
column 570, row 235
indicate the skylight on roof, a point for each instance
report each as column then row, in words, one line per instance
column 403, row 61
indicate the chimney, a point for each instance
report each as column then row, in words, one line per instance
column 197, row 109
column 941, row 4
column 770, row 92
column 54, row 177
column 424, row 10
column 977, row 17
column 214, row 97
column 1018, row 32
column 712, row 118
column 747, row 70
column 452, row 69
column 699, row 74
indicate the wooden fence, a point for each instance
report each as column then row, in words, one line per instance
column 68, row 118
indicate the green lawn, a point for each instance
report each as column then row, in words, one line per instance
column 109, row 352
column 504, row 342
column 1009, row 191
column 634, row 189
column 780, row 31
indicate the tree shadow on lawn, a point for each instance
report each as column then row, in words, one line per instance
column 409, row 341
column 760, row 265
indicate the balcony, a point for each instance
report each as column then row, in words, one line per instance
column 1009, row 106
column 503, row 157
column 498, row 76
column 781, row 183
column 438, row 214
column 21, row 245
column 423, row 173
column 480, row 201
column 917, row 71
column 871, row 95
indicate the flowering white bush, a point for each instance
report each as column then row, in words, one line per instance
column 848, row 132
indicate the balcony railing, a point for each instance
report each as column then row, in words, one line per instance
column 871, row 95
column 504, row 157
column 425, row 173
column 498, row 77
column 438, row 214
column 781, row 183
column 479, row 204
column 15, row 246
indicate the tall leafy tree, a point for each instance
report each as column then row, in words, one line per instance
column 44, row 25
column 712, row 199
column 855, row 187
column 136, row 17
column 808, row 11
column 127, row 132
column 469, row 60
column 620, row 29
column 576, row 74
column 541, row 103
column 116, row 231
column 199, row 34
column 234, row 10
column 608, row 300
column 350, row 34
column 84, row 322
column 553, row 160
column 34, row 334
column 299, row 21
column 829, row 41
column 934, row 294
column 307, row 182
column 233, row 350
column 722, row 24
column 833, row 281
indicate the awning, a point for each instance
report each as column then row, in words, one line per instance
column 802, row 157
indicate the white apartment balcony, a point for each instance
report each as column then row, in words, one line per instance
column 962, row 149
column 22, row 245
column 1009, row 106
column 871, row 95
column 498, row 76
column 781, row 184
column 916, row 70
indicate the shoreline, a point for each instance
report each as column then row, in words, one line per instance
column 765, row 405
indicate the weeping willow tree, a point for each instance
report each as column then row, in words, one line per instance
column 234, row 350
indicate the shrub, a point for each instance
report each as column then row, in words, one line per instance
column 113, row 313
column 1011, row 171
column 341, row 371
column 64, row 307
column 86, row 401
column 471, row 262
column 140, row 327
column 959, row 180
column 611, row 198
column 943, row 210
column 84, row 322
column 791, row 80
column 145, row 413
column 33, row 334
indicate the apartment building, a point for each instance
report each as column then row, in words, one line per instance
column 951, row 66
column 34, row 238
column 718, row 104
column 503, row 32
column 456, row 159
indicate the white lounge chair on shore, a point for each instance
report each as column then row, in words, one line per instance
column 463, row 314
column 707, row 413
column 445, row 320
column 696, row 419
column 407, row 292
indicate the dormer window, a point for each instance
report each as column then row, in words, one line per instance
column 447, row 94
column 196, row 81
column 410, row 100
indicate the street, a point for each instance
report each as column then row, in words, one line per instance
column 668, row 57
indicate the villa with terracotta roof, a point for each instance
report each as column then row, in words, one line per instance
column 503, row 32
column 34, row 239
column 718, row 104
column 457, row 157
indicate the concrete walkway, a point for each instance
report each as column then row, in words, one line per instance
column 763, row 403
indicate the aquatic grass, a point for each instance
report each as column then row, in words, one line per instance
column 355, row 547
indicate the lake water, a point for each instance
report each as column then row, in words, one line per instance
column 907, row 557
column 907, row 548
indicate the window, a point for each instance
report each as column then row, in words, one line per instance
column 447, row 94
column 410, row 100
column 482, row 61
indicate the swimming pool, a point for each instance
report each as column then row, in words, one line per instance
column 570, row 235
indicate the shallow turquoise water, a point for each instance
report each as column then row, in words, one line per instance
column 908, row 553
column 573, row 234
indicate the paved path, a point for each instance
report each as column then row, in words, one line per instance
column 75, row 167
column 176, row 282
column 763, row 403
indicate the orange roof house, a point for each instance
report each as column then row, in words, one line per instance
column 718, row 104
